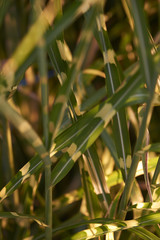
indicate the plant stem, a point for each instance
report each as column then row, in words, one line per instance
column 44, row 97
column 48, row 201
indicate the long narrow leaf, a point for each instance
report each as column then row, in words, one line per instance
column 144, row 233
column 29, row 134
column 28, row 44
column 151, row 81
column 21, row 216
column 63, row 94
column 89, row 135
column 144, row 46
column 113, row 79
column 119, row 225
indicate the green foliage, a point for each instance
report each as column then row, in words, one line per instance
column 79, row 119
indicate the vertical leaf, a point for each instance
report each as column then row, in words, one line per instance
column 143, row 42
column 113, row 80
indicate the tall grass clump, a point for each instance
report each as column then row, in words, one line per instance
column 79, row 119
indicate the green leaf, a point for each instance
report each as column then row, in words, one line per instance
column 144, row 233
column 115, row 225
column 90, row 204
column 81, row 143
column 25, row 172
column 148, row 71
column 143, row 44
column 152, row 206
column 113, row 80
column 27, row 45
column 96, row 173
column 24, row 128
column 78, row 58
column 16, row 215
column 154, row 147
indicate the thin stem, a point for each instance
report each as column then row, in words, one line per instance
column 48, row 201
column 44, row 97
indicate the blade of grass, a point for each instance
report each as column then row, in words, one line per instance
column 140, row 96
column 25, row 48
column 111, row 146
column 113, row 80
column 60, row 68
column 36, row 163
column 154, row 147
column 145, row 155
column 63, row 94
column 27, row 132
column 7, row 83
column 29, row 192
column 8, row 159
column 132, row 225
column 70, row 15
column 101, row 119
column 109, row 225
column 116, row 176
column 67, row 198
column 144, row 233
column 32, row 166
column 135, row 160
column 60, row 64
column 136, row 196
column 152, row 206
column 91, row 199
column 152, row 77
column 144, row 46
column 114, row 204
column 21, row 216
column 96, row 172
column 155, row 176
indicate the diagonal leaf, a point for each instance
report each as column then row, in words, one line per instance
column 154, row 147
column 24, row 49
column 24, row 128
column 36, row 163
column 59, row 62
column 15, row 63
column 150, row 219
column 152, row 206
column 144, row 233
column 25, row 172
column 67, row 198
column 27, row 132
column 64, row 91
column 16, row 215
column 116, row 176
column 89, row 135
